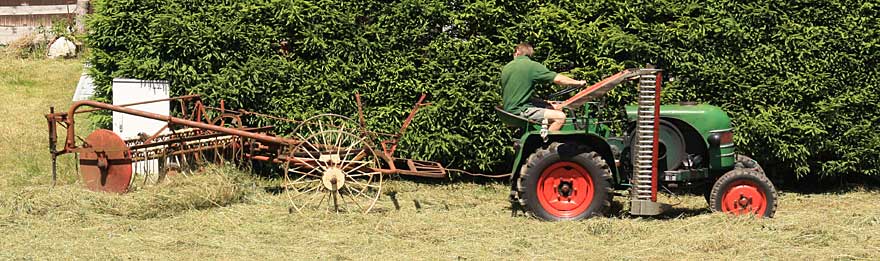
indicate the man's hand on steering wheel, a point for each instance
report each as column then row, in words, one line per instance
column 571, row 88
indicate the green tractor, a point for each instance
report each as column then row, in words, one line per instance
column 572, row 173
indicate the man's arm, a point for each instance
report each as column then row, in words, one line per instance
column 565, row 80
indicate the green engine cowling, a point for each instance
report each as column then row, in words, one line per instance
column 705, row 130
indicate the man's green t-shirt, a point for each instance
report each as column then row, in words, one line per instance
column 518, row 79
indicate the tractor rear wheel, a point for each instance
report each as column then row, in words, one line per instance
column 558, row 184
column 744, row 192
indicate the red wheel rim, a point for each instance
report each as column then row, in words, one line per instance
column 744, row 197
column 565, row 189
column 105, row 164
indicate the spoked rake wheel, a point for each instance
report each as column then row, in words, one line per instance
column 332, row 171
column 324, row 122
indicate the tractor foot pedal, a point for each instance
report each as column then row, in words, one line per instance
column 641, row 207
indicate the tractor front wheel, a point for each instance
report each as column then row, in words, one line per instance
column 555, row 185
column 742, row 162
column 744, row 192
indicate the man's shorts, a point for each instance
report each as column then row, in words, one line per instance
column 534, row 113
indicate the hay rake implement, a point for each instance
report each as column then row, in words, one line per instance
column 329, row 161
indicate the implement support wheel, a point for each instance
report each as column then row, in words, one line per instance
column 106, row 164
column 559, row 184
column 742, row 162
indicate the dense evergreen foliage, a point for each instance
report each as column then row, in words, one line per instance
column 798, row 77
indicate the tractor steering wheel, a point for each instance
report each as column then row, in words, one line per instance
column 567, row 90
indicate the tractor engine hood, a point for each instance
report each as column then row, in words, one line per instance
column 702, row 117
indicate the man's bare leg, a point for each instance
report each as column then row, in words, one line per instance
column 556, row 119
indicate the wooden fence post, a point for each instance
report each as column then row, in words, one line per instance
column 82, row 8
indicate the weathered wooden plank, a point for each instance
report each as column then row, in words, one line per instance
column 18, row 17
column 32, row 20
column 35, row 2
column 37, row 10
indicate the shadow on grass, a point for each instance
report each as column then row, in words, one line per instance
column 618, row 210
column 274, row 190
column 815, row 184
column 679, row 213
column 619, row 207
column 674, row 213
column 278, row 189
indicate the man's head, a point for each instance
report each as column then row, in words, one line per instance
column 523, row 49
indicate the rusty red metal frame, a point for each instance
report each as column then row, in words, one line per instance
column 260, row 140
column 70, row 142
column 656, row 141
column 598, row 89
column 389, row 151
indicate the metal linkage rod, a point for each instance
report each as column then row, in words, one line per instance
column 174, row 120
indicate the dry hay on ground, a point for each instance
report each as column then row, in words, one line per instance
column 216, row 187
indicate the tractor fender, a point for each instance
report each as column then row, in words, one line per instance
column 532, row 141
column 694, row 142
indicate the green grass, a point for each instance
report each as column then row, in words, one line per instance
column 224, row 213
column 29, row 88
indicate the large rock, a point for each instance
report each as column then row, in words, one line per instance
column 62, row 48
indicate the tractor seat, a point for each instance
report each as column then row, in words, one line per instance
column 514, row 121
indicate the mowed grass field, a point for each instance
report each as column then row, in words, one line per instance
column 224, row 213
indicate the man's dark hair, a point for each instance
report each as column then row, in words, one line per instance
column 525, row 49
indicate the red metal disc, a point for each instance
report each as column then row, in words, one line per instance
column 744, row 197
column 565, row 189
column 105, row 162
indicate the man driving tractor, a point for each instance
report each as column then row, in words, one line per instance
column 518, row 79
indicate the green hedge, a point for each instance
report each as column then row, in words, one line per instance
column 799, row 78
